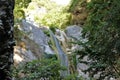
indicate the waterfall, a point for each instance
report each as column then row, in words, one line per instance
column 61, row 55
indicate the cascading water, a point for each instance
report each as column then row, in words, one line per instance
column 61, row 55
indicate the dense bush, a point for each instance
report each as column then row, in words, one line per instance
column 47, row 69
column 103, row 47
column 38, row 69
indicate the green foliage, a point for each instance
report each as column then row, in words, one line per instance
column 103, row 47
column 56, row 19
column 20, row 6
column 73, row 77
column 55, row 15
column 37, row 69
column 48, row 68
column 19, row 14
column 73, row 3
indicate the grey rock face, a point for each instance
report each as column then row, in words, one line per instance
column 37, row 35
column 74, row 31
column 74, row 34
column 26, row 50
column 35, row 43
column 22, row 55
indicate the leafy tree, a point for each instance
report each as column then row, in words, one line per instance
column 55, row 15
column 6, row 38
column 20, row 6
column 103, row 47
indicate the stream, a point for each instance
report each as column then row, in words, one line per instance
column 62, row 56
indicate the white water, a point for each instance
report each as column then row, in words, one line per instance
column 61, row 55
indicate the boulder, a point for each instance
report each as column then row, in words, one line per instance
column 74, row 31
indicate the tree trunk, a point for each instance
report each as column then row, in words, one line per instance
column 6, row 38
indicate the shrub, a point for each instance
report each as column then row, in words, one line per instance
column 38, row 69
